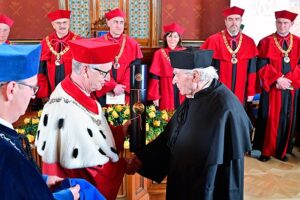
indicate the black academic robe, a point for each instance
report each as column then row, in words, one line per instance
column 202, row 148
column 19, row 179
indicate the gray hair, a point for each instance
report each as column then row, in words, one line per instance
column 76, row 66
column 206, row 74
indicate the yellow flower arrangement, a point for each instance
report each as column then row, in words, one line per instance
column 29, row 126
column 117, row 114
column 156, row 120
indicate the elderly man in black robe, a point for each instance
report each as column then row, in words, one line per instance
column 202, row 148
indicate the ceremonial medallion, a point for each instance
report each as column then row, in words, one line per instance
column 116, row 65
column 57, row 62
column 286, row 59
column 234, row 60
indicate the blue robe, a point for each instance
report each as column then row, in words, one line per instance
column 19, row 179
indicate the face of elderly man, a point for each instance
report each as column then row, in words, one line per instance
column 4, row 32
column 61, row 26
column 97, row 75
column 184, row 81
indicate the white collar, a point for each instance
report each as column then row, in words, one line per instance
column 6, row 123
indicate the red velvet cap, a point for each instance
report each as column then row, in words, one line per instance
column 93, row 51
column 117, row 12
column 173, row 28
column 6, row 20
column 59, row 14
column 285, row 14
column 233, row 11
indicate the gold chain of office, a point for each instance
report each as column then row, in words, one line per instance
column 233, row 53
column 116, row 60
column 286, row 58
column 165, row 55
column 60, row 54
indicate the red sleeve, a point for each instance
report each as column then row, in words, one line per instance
column 153, row 89
column 268, row 74
column 294, row 76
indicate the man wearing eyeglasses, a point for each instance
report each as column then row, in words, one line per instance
column 19, row 177
column 56, row 58
column 74, row 138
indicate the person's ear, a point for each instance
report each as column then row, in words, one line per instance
column 84, row 71
column 196, row 76
column 10, row 90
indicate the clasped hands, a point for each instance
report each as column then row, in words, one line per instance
column 283, row 83
column 133, row 164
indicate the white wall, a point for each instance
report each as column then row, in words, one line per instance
column 259, row 17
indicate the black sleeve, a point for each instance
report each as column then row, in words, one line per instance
column 43, row 67
column 155, row 158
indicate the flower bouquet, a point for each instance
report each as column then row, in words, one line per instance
column 29, row 126
column 156, row 121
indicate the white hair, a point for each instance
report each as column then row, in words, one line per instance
column 206, row 74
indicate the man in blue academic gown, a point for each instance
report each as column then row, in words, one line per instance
column 19, row 176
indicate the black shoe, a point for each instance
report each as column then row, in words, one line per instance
column 284, row 158
column 264, row 158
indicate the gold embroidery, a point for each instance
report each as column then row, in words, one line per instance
column 286, row 58
column 60, row 54
column 116, row 61
column 165, row 54
column 233, row 53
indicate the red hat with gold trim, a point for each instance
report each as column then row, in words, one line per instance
column 6, row 20
column 117, row 12
column 59, row 14
column 285, row 14
column 173, row 28
column 233, row 11
column 93, row 51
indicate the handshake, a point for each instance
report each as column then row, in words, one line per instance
column 133, row 164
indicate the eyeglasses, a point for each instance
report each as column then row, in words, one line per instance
column 33, row 87
column 103, row 73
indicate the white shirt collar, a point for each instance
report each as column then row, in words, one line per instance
column 6, row 123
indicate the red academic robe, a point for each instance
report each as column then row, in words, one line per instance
column 106, row 178
column 276, row 117
column 245, row 82
column 48, row 77
column 160, row 83
column 131, row 52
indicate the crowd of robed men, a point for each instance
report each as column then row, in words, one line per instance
column 74, row 139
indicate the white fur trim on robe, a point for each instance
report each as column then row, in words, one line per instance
column 69, row 134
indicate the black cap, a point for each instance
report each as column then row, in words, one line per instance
column 191, row 59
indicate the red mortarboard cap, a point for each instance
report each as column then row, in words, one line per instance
column 59, row 14
column 117, row 12
column 233, row 11
column 173, row 28
column 285, row 14
column 6, row 20
column 93, row 51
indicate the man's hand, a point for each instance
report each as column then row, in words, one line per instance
column 133, row 164
column 53, row 180
column 75, row 191
column 283, row 83
column 119, row 89
column 156, row 102
column 250, row 98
